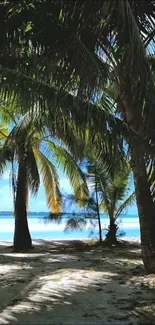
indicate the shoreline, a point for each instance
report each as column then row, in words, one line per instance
column 41, row 241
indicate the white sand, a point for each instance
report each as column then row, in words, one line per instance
column 64, row 282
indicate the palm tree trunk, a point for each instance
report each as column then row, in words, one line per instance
column 22, row 238
column 146, row 210
column 111, row 238
column 98, row 211
column 145, row 204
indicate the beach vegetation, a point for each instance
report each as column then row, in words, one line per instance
column 33, row 158
column 112, row 194
column 92, row 44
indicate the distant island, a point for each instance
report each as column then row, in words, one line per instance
column 10, row 213
column 43, row 213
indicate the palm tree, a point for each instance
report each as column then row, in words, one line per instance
column 111, row 188
column 109, row 194
column 110, row 39
column 116, row 199
column 32, row 156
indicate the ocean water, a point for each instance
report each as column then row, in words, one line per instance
column 40, row 229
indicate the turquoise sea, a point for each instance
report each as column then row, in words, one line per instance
column 40, row 229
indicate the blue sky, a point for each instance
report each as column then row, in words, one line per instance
column 37, row 203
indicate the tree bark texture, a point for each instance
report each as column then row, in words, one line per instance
column 111, row 238
column 22, row 238
column 145, row 204
column 146, row 210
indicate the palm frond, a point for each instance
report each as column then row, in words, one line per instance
column 128, row 202
column 111, row 183
column 4, row 157
column 32, row 173
column 6, row 149
column 74, row 45
column 3, row 132
column 71, row 169
column 50, row 181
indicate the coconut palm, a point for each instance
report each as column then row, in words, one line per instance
column 116, row 198
column 118, row 33
column 111, row 194
column 34, row 156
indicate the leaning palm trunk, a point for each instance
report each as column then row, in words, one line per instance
column 146, row 211
column 22, row 238
column 145, row 205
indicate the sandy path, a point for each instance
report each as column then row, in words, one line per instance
column 69, row 283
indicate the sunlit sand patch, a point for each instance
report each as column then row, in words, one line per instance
column 93, row 285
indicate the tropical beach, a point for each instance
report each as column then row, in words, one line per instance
column 77, row 162
column 64, row 282
column 74, row 281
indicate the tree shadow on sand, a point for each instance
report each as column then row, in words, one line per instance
column 76, row 283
